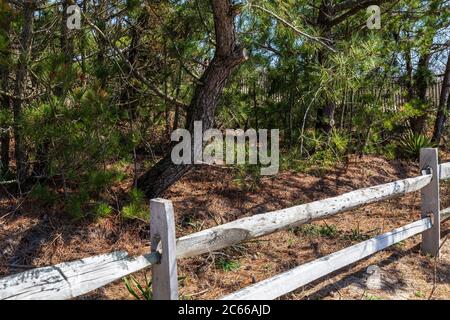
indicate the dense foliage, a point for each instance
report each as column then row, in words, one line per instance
column 83, row 109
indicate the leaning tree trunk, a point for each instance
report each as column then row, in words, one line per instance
column 206, row 96
column 444, row 105
column 20, row 88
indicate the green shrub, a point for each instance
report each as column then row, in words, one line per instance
column 371, row 297
column 102, row 210
column 98, row 180
column 44, row 195
column 227, row 264
column 319, row 153
column 339, row 143
column 138, row 291
column 143, row 291
column 75, row 138
column 247, row 177
column 390, row 151
column 137, row 207
column 410, row 144
column 312, row 230
column 357, row 235
column 74, row 207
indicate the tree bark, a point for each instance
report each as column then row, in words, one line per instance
column 409, row 74
column 325, row 111
column 205, row 99
column 66, row 46
column 5, row 100
column 20, row 86
column 176, row 118
column 5, row 103
column 444, row 105
column 421, row 82
column 127, row 96
column 102, row 43
column 61, row 89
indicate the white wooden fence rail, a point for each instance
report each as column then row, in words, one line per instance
column 71, row 279
column 444, row 171
column 288, row 281
column 263, row 224
column 445, row 214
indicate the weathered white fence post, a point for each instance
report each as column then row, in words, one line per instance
column 163, row 240
column 430, row 202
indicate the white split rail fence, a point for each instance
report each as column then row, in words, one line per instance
column 72, row 279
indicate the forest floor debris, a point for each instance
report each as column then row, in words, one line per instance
column 35, row 236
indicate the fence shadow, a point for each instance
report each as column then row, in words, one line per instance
column 357, row 276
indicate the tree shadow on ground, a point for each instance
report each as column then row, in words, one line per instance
column 357, row 276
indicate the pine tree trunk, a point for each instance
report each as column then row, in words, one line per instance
column 444, row 105
column 206, row 96
column 5, row 99
column 325, row 111
column 409, row 75
column 176, row 117
column 100, row 13
column 128, row 94
column 5, row 103
column 421, row 85
column 66, row 45
column 20, row 88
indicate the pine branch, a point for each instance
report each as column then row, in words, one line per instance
column 133, row 70
column 294, row 28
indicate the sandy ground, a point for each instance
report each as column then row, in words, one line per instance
column 208, row 196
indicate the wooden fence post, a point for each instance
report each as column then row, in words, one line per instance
column 162, row 231
column 430, row 202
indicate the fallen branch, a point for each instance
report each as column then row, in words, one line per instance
column 8, row 182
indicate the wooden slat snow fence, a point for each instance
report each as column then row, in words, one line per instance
column 71, row 279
